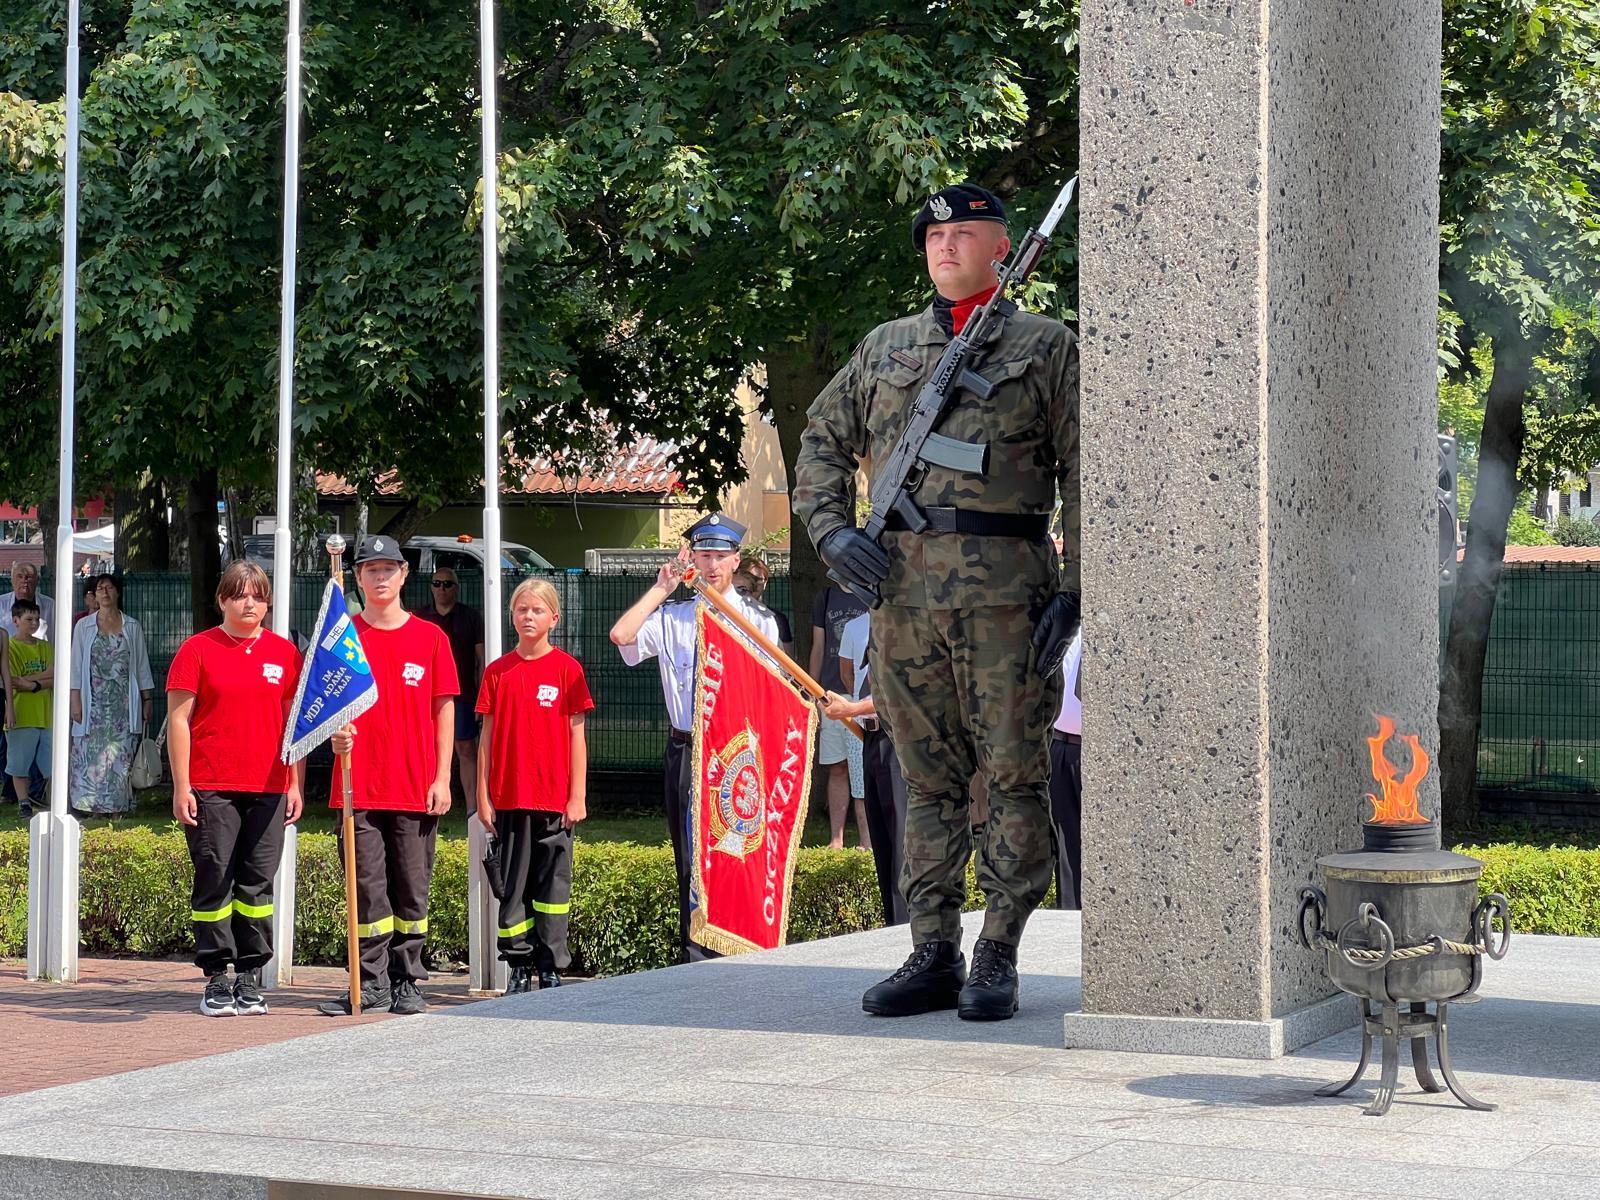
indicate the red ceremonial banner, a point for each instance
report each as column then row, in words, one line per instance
column 753, row 734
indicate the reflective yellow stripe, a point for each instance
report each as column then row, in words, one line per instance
column 523, row 927
column 215, row 914
column 377, row 929
column 252, row 910
column 411, row 926
column 553, row 909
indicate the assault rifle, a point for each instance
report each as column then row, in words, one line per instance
column 919, row 447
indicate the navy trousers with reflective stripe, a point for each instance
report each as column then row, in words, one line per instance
column 235, row 849
column 394, row 866
column 537, row 856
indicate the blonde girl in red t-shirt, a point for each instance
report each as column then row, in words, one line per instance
column 532, row 785
column 229, row 692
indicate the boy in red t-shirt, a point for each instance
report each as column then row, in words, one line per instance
column 532, row 784
column 400, row 752
column 229, row 694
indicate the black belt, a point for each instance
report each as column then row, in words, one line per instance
column 1033, row 526
column 868, row 724
column 1072, row 739
column 681, row 736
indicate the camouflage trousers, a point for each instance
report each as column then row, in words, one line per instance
column 959, row 695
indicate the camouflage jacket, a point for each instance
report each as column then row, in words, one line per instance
column 1030, row 423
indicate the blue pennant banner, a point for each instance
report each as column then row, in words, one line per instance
column 336, row 684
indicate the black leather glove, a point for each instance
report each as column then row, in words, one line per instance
column 855, row 560
column 1052, row 634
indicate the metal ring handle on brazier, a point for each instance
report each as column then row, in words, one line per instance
column 1368, row 919
column 1483, row 917
column 1312, row 900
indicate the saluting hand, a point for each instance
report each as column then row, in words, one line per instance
column 672, row 572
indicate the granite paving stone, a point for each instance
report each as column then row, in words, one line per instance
column 725, row 1089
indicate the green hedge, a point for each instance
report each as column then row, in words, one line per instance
column 1552, row 889
column 134, row 897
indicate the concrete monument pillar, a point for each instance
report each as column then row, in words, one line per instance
column 1259, row 285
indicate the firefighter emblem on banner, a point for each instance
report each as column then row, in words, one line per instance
column 753, row 738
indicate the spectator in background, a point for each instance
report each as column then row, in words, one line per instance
column 25, row 586
column 832, row 610
column 757, row 575
column 111, row 695
column 463, row 627
column 885, row 789
column 90, row 605
column 30, row 673
column 1066, row 783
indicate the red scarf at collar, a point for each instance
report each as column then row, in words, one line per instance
column 953, row 315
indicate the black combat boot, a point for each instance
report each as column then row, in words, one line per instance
column 991, row 990
column 930, row 980
column 521, row 980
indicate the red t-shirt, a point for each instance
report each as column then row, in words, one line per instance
column 532, row 702
column 396, row 753
column 244, row 691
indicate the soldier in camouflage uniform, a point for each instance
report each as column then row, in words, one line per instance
column 977, row 611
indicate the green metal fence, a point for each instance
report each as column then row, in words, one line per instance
column 629, row 725
column 1540, row 731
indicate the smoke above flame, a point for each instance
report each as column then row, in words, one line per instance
column 1398, row 805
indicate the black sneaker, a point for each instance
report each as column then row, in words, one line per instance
column 25, row 810
column 548, row 979
column 374, row 999
column 247, row 998
column 521, row 981
column 218, row 1000
column 991, row 991
column 408, row 1001
column 930, row 980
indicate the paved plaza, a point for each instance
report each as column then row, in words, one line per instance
column 760, row 1077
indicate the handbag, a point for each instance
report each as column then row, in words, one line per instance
column 146, row 769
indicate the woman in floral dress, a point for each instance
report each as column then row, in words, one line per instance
column 111, row 689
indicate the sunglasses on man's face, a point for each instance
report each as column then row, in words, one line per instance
column 444, row 583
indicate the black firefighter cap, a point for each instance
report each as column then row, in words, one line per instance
column 958, row 202
column 379, row 548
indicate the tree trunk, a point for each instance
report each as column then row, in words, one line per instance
column 796, row 372
column 144, row 542
column 1477, row 583
column 407, row 520
column 205, row 551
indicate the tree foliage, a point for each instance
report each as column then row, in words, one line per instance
column 1520, row 273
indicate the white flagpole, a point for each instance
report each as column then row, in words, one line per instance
column 280, row 969
column 53, row 835
column 484, row 971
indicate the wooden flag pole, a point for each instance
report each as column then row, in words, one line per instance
column 807, row 684
column 347, row 824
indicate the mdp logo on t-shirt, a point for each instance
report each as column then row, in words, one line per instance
column 412, row 675
column 547, row 694
column 272, row 673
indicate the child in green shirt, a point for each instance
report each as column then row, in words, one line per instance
column 32, row 674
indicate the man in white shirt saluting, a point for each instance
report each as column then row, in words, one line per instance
column 664, row 629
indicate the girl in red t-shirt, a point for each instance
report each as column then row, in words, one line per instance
column 229, row 692
column 531, row 788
